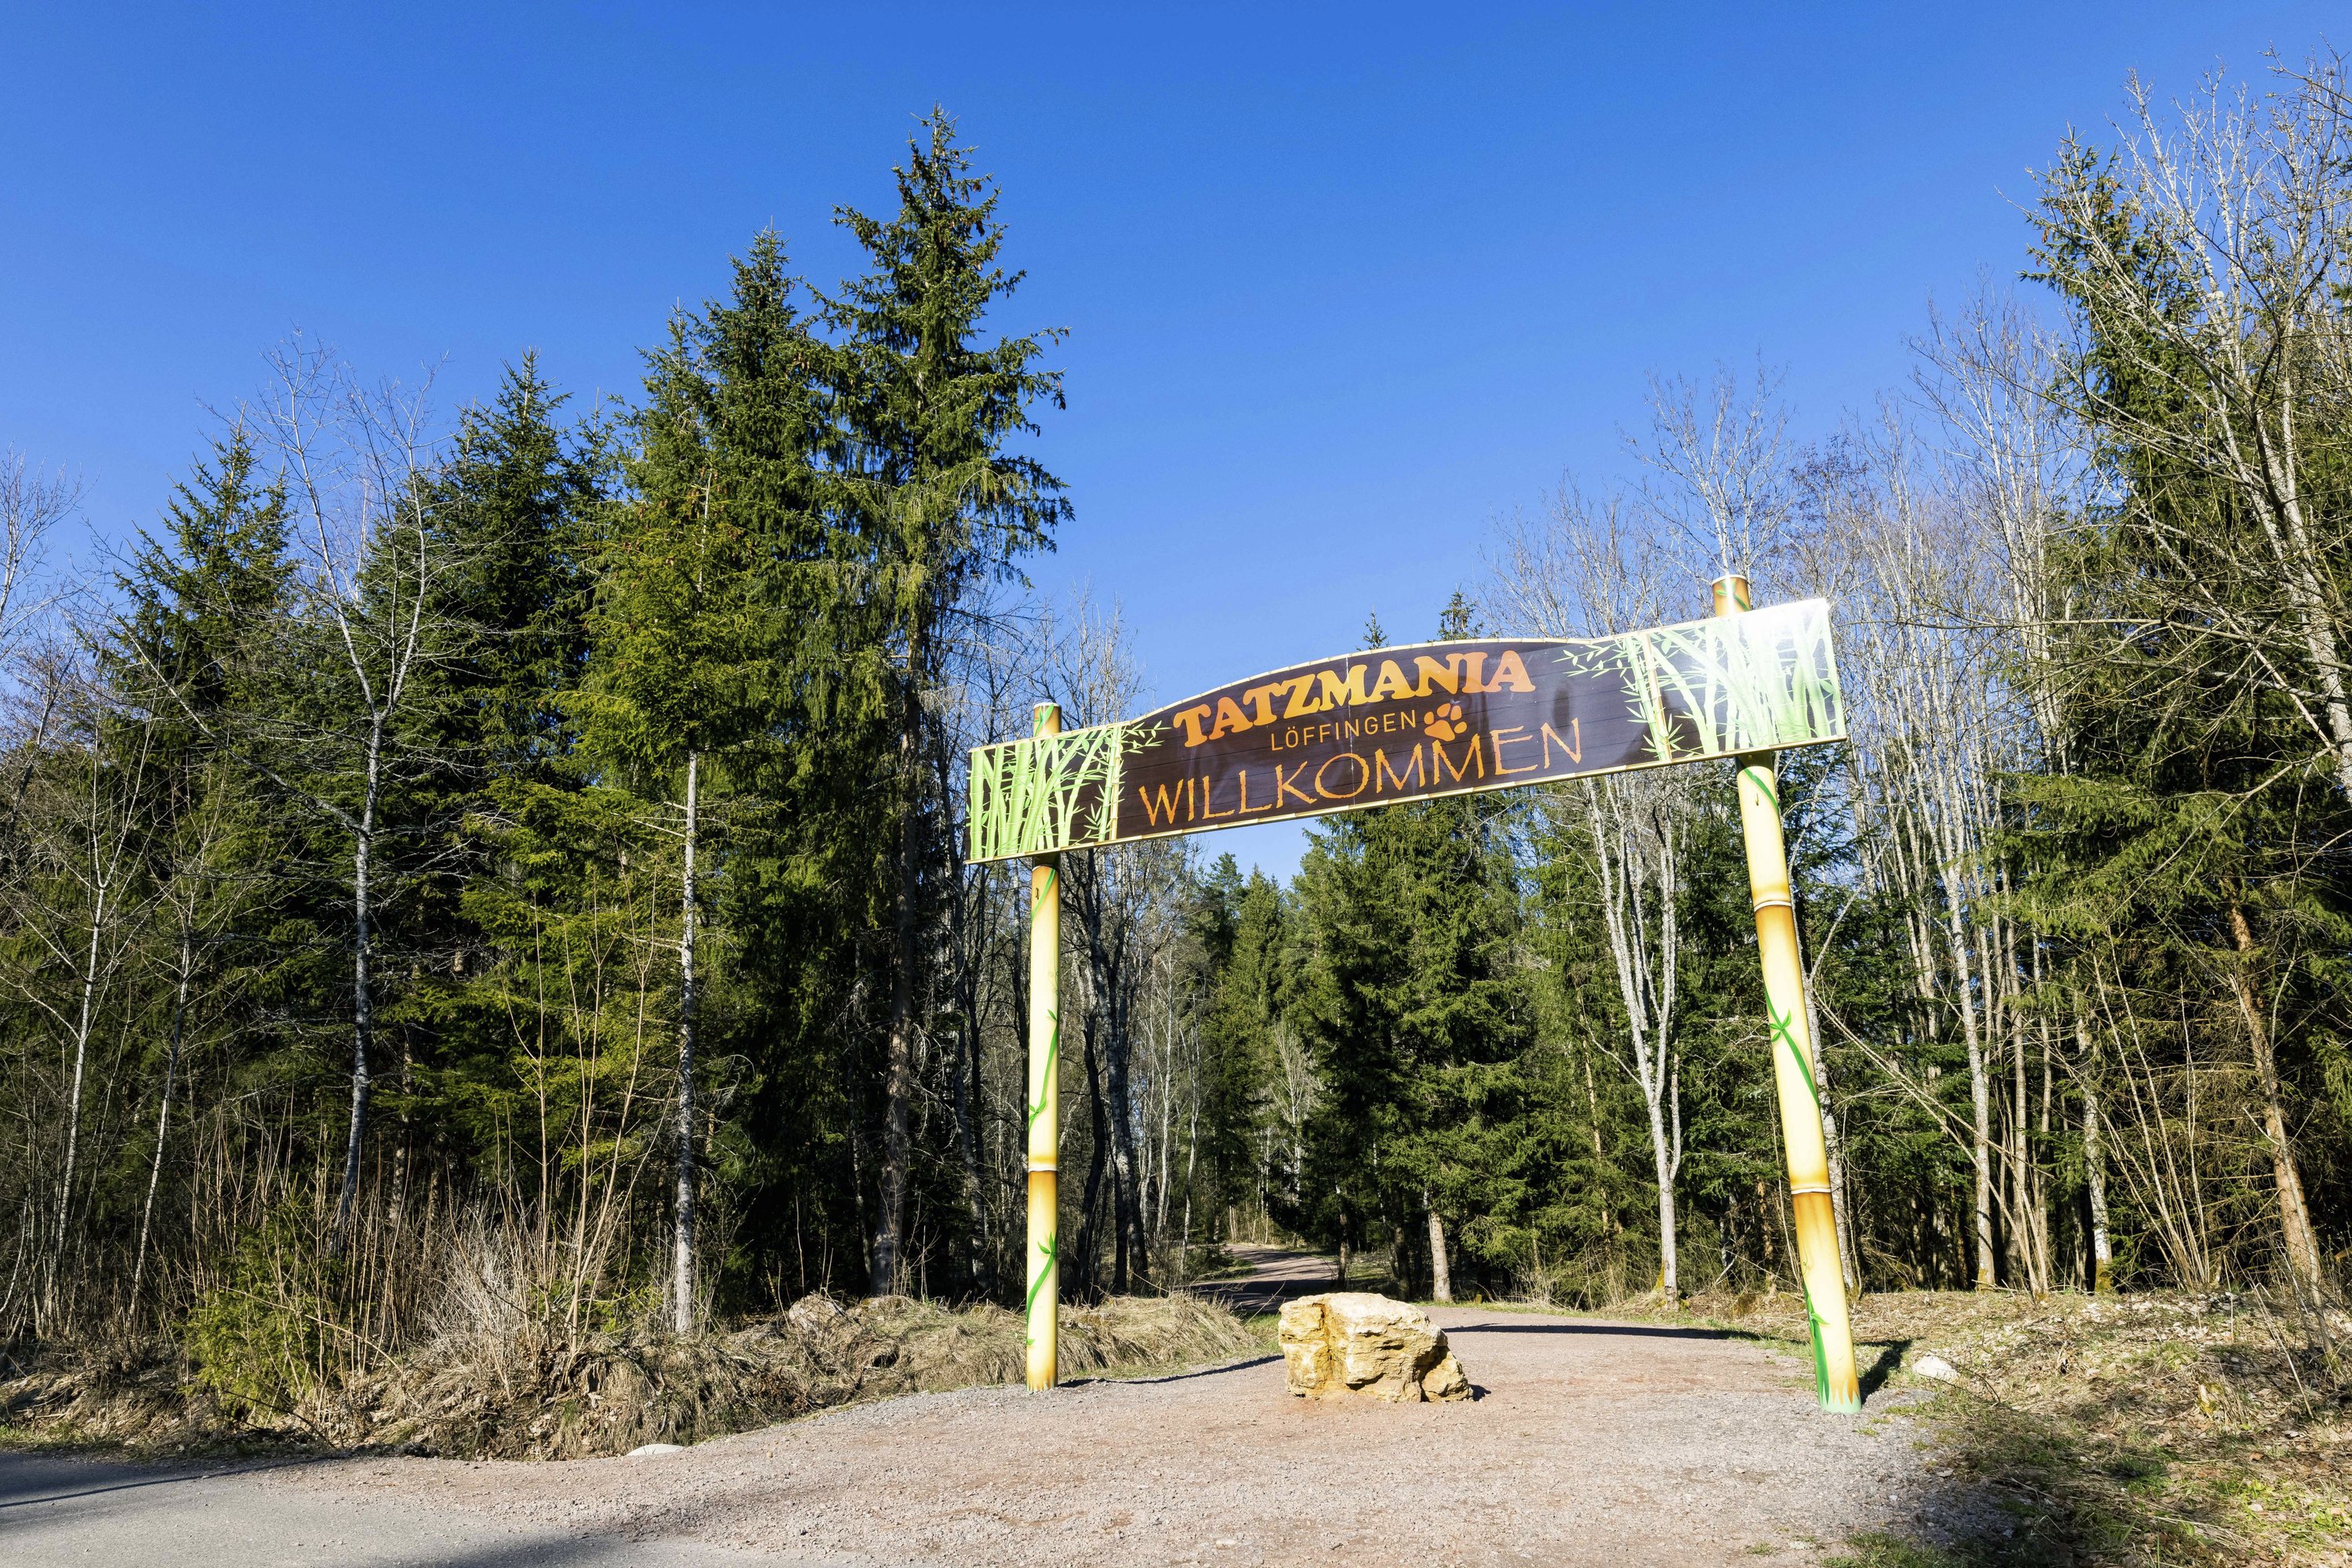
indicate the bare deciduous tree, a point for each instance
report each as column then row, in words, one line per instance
column 2206, row 262
column 1123, row 899
column 2208, row 256
column 1581, row 571
column 355, row 462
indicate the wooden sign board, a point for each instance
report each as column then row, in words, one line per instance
column 1409, row 723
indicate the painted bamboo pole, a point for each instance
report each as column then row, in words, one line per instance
column 1819, row 1272
column 1045, row 1303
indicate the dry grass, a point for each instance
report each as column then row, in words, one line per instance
column 2157, row 1429
column 523, row 1347
column 535, row 1386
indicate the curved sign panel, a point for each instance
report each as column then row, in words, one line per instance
column 1390, row 724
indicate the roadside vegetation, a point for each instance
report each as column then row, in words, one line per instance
column 494, row 1381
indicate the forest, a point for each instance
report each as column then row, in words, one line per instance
column 536, row 845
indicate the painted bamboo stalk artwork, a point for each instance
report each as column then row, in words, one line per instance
column 1715, row 688
column 1382, row 725
column 1044, row 1300
column 1819, row 1272
column 1051, row 792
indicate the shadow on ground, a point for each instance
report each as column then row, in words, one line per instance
column 2013, row 1489
column 1890, row 1358
column 27, row 1489
column 1634, row 1331
column 1218, row 1371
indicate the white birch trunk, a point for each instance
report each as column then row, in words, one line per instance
column 1441, row 1278
column 682, row 1235
column 2095, row 1163
column 163, row 1113
column 362, row 989
column 89, row 979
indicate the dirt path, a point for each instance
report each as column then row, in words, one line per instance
column 1592, row 1442
column 1271, row 1276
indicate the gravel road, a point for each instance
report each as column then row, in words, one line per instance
column 1590, row 1442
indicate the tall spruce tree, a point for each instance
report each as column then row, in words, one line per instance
column 520, row 504
column 1419, row 1019
column 699, row 623
column 196, row 601
column 524, row 500
column 1245, row 933
column 925, row 414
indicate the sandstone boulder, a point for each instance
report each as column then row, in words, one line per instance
column 1352, row 1342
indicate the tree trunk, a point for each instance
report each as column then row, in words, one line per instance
column 80, row 1057
column 898, row 1089
column 1441, row 1278
column 363, row 992
column 1669, row 1281
column 1191, row 1155
column 1599, row 1157
column 2294, row 1215
column 1648, row 996
column 968, row 908
column 2095, row 1164
column 2021, row 1191
column 1090, row 1207
column 1127, row 1208
column 162, row 1116
column 967, row 1076
column 682, row 1235
column 2043, row 1261
column 1980, row 1127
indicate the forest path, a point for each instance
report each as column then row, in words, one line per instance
column 1591, row 1442
column 1269, row 1276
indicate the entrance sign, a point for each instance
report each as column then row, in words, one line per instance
column 1388, row 725
column 1409, row 723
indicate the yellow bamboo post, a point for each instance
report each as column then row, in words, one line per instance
column 1819, row 1272
column 1044, row 1302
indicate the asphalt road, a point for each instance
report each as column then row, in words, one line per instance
column 55, row 1511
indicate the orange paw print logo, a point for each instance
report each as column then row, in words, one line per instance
column 1446, row 723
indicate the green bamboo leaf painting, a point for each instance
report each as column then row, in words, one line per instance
column 1739, row 683
column 1049, row 792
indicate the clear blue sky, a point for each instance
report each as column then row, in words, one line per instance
column 1343, row 284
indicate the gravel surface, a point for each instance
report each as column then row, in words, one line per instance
column 1591, row 1442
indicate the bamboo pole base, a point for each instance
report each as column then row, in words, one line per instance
column 1043, row 1306
column 1826, row 1319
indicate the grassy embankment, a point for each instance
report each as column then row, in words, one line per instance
column 514, row 1384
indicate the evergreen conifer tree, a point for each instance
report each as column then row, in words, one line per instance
column 1418, row 1017
column 517, row 507
column 697, row 627
column 925, row 412
column 200, row 607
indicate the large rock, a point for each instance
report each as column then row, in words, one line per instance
column 1354, row 1342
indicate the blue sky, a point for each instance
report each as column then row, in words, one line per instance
column 1343, row 284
